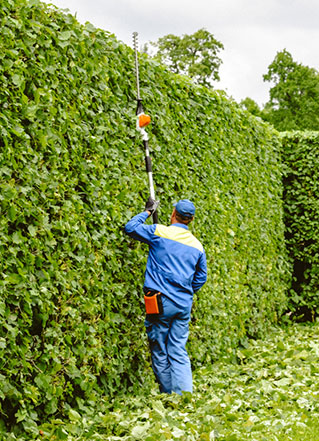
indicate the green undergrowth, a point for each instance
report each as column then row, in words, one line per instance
column 269, row 394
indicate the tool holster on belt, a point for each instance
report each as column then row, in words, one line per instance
column 153, row 302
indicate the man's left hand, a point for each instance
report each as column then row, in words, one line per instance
column 151, row 205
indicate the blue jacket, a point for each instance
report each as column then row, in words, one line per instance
column 176, row 264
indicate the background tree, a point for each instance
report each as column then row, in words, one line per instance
column 194, row 55
column 294, row 98
column 252, row 107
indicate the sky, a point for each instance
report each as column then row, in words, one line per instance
column 252, row 32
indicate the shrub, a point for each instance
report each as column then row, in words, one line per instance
column 72, row 174
column 301, row 207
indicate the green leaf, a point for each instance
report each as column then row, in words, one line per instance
column 17, row 79
column 32, row 230
column 140, row 432
column 17, row 237
column 64, row 35
column 74, row 415
column 12, row 213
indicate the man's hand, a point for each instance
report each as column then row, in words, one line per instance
column 151, row 205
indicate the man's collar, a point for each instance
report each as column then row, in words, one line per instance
column 179, row 225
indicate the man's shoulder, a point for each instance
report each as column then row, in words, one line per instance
column 196, row 243
column 178, row 234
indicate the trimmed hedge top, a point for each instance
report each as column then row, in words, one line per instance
column 72, row 174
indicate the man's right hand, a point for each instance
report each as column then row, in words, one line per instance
column 151, row 205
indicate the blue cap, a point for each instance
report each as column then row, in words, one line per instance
column 185, row 208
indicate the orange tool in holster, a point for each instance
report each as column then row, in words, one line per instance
column 153, row 302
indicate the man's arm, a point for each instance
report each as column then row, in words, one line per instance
column 200, row 276
column 136, row 229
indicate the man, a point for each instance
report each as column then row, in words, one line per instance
column 176, row 268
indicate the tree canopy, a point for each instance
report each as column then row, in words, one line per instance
column 195, row 55
column 252, row 107
column 294, row 98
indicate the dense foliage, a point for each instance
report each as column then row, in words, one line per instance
column 294, row 96
column 301, row 180
column 251, row 106
column 195, row 55
column 72, row 174
column 269, row 392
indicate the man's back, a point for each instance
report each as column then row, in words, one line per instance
column 176, row 263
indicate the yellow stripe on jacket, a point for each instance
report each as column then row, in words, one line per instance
column 178, row 234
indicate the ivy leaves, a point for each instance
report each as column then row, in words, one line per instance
column 269, row 391
column 301, row 175
column 71, row 175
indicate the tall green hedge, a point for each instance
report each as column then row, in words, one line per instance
column 72, row 174
column 301, row 207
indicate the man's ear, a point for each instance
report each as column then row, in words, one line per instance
column 173, row 214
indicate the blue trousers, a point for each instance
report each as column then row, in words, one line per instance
column 167, row 335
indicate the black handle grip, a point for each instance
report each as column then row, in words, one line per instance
column 139, row 108
column 155, row 217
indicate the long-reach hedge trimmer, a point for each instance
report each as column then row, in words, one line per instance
column 142, row 122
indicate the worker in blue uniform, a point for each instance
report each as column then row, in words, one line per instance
column 176, row 268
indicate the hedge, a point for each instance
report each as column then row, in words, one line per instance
column 301, row 208
column 72, row 174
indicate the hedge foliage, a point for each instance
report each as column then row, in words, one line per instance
column 72, row 174
column 301, row 207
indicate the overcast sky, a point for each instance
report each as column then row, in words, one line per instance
column 252, row 31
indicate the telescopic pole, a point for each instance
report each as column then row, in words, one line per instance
column 143, row 121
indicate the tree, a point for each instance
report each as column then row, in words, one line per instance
column 294, row 98
column 252, row 107
column 194, row 55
